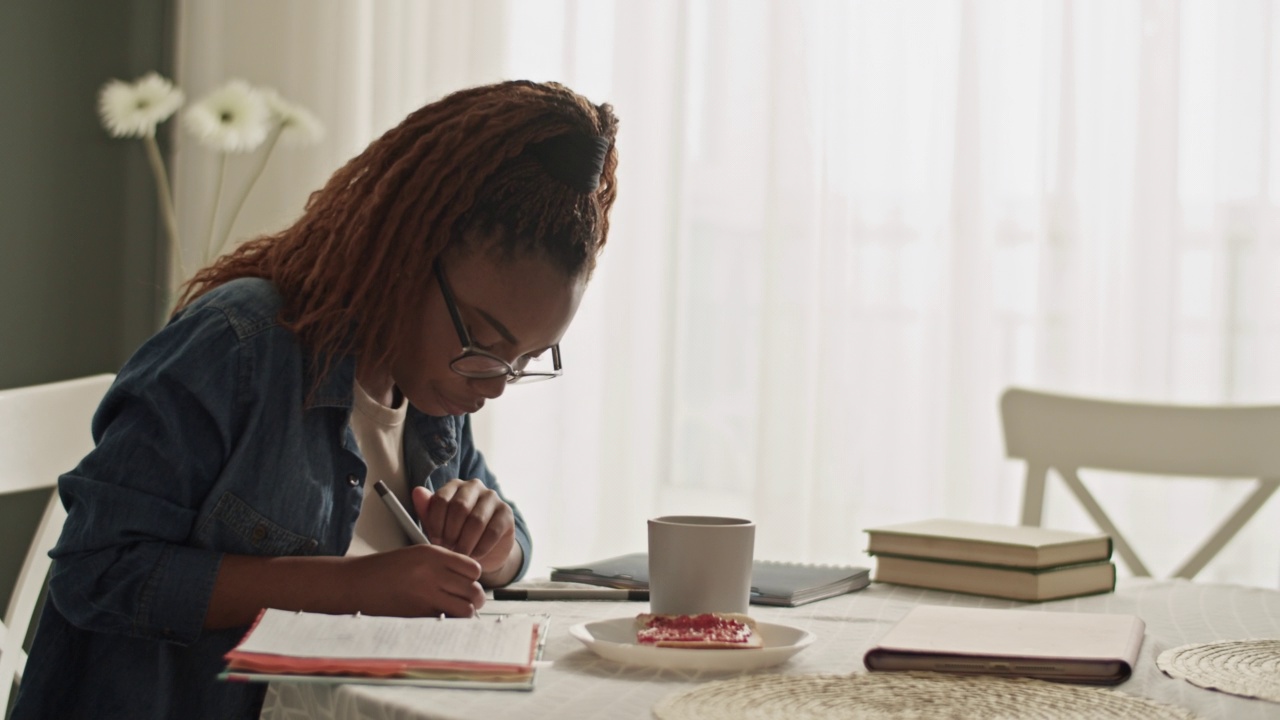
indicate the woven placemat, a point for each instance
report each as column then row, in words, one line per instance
column 902, row 695
column 1250, row 668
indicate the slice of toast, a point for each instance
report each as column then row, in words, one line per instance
column 720, row 631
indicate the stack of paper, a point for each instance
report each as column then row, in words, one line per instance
column 1008, row 561
column 492, row 652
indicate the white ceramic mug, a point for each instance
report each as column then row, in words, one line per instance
column 700, row 564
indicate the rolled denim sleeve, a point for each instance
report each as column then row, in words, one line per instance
column 124, row 563
column 471, row 465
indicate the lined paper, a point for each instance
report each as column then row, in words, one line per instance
column 505, row 640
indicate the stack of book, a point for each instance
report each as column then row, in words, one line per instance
column 1006, row 561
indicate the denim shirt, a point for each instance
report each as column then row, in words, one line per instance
column 207, row 443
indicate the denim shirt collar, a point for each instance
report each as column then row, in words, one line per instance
column 335, row 387
column 436, row 436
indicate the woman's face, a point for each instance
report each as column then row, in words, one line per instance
column 511, row 307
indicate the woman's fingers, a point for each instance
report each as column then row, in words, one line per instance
column 420, row 497
column 460, row 592
column 440, row 507
column 494, row 526
column 456, row 515
column 470, row 518
column 460, row 509
column 418, row 580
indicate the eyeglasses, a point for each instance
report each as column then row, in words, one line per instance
column 482, row 364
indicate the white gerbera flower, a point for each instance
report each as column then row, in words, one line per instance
column 134, row 109
column 298, row 126
column 234, row 118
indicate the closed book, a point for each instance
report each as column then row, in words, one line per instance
column 772, row 582
column 1030, row 585
column 993, row 544
column 1093, row 648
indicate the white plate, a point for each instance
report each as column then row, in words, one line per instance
column 616, row 640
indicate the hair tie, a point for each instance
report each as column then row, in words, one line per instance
column 574, row 159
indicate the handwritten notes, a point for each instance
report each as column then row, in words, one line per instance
column 489, row 640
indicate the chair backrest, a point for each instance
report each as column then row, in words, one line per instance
column 44, row 432
column 1069, row 433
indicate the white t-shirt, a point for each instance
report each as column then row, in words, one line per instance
column 379, row 432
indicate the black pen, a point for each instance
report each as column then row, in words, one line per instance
column 570, row 594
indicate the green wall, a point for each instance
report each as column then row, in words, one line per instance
column 78, row 222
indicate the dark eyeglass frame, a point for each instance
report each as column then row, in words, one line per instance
column 512, row 373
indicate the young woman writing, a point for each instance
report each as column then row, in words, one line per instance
column 236, row 451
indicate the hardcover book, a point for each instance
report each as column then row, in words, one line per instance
column 1029, row 585
column 772, row 583
column 1061, row 646
column 987, row 543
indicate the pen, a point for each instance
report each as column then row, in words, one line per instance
column 569, row 594
column 402, row 516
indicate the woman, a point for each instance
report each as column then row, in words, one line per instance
column 236, row 450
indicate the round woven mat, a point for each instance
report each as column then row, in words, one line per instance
column 902, row 695
column 1250, row 668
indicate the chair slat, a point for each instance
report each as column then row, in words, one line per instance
column 44, row 432
column 1070, row 434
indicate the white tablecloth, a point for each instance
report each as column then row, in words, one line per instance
column 578, row 684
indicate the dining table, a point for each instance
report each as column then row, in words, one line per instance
column 573, row 681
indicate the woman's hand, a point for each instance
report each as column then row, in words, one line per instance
column 469, row 517
column 415, row 581
column 474, row 541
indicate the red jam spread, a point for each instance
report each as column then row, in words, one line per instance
column 693, row 628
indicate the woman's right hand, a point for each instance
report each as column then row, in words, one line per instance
column 415, row 581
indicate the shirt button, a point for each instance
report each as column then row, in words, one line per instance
column 353, row 480
column 259, row 533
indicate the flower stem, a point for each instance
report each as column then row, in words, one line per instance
column 166, row 203
column 217, row 200
column 253, row 179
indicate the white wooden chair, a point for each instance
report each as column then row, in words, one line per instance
column 44, row 432
column 1214, row 442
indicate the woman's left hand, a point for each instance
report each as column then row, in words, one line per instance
column 468, row 517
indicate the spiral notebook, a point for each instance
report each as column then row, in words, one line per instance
column 772, row 583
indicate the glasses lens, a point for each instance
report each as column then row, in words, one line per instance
column 479, row 366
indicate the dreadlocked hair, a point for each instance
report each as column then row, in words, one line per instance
column 366, row 242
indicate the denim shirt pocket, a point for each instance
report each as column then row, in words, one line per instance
column 235, row 527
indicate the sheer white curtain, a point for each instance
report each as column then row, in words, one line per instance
column 843, row 229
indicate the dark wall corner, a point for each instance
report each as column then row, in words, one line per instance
column 78, row 221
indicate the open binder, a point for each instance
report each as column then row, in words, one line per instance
column 490, row 652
